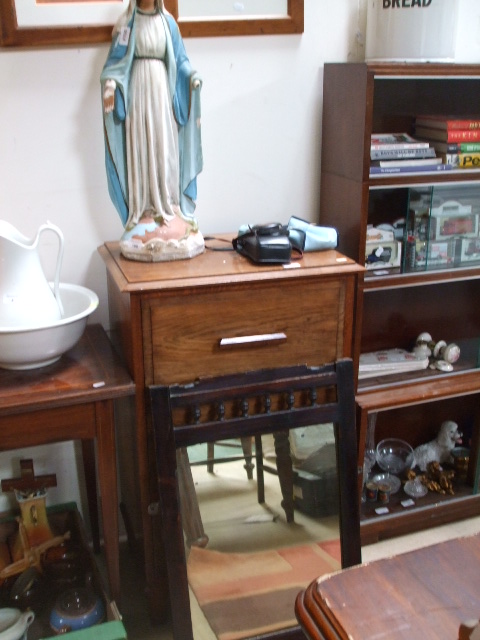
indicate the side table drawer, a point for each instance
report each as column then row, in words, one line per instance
column 292, row 322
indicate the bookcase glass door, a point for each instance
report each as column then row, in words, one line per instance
column 421, row 228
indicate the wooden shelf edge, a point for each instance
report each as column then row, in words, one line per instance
column 409, row 69
column 406, row 180
column 415, row 392
column 418, row 519
column 402, row 280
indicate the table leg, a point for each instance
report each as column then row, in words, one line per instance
column 90, row 472
column 107, row 479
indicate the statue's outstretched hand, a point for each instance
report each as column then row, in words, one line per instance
column 109, row 96
column 196, row 81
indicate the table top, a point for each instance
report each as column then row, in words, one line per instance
column 216, row 266
column 89, row 372
column 421, row 595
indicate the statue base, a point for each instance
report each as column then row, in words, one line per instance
column 157, row 249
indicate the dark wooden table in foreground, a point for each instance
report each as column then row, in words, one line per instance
column 73, row 399
column 421, row 595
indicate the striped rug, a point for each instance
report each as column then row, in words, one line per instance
column 247, row 594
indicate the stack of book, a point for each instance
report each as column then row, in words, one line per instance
column 456, row 140
column 388, row 362
column 400, row 153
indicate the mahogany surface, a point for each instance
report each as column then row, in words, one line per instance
column 421, row 595
column 168, row 320
column 73, row 399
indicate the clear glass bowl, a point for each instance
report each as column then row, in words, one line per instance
column 382, row 478
column 394, row 455
column 415, row 488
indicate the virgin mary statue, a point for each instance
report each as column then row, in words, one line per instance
column 153, row 151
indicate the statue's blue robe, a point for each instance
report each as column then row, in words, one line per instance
column 186, row 107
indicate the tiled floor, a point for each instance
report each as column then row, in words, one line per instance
column 134, row 607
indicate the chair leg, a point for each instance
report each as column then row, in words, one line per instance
column 259, row 459
column 191, row 518
column 210, row 456
column 247, row 453
column 170, row 510
column 285, row 472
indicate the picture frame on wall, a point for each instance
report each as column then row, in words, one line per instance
column 32, row 23
column 26, row 23
column 278, row 17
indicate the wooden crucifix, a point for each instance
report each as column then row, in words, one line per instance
column 34, row 535
column 28, row 482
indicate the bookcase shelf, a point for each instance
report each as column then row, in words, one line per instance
column 422, row 178
column 419, row 379
column 413, row 409
column 396, row 279
column 394, row 306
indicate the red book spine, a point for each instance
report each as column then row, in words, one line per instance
column 452, row 135
column 449, row 123
column 463, row 124
column 462, row 135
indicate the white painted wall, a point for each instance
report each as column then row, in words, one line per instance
column 261, row 115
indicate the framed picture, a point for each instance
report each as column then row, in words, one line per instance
column 27, row 23
column 197, row 18
column 30, row 23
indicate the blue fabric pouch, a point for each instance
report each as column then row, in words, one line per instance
column 317, row 238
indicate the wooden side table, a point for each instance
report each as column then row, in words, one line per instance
column 423, row 594
column 73, row 399
column 218, row 314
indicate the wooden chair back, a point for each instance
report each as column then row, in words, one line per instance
column 251, row 404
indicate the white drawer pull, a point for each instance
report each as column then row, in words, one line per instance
column 240, row 341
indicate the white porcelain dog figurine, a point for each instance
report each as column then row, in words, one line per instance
column 439, row 449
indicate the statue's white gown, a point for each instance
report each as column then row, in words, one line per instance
column 152, row 138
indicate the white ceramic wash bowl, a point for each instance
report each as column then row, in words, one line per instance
column 38, row 346
column 14, row 623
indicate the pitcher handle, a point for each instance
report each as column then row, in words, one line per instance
column 56, row 283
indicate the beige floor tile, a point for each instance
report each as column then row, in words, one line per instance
column 217, row 513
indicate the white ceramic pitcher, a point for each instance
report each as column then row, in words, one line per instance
column 26, row 298
column 14, row 624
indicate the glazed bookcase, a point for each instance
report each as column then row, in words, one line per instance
column 396, row 304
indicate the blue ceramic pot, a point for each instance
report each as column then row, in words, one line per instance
column 76, row 609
